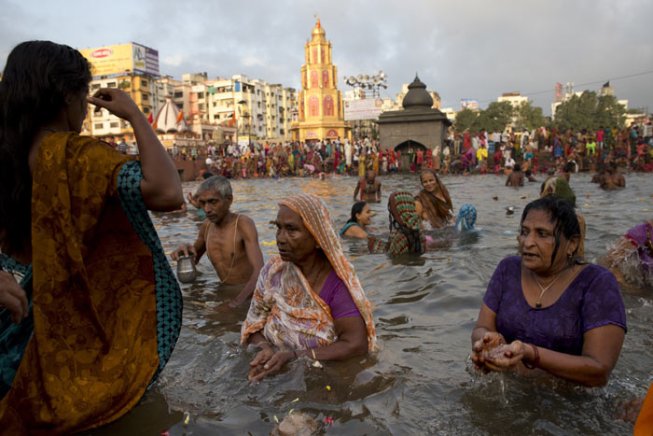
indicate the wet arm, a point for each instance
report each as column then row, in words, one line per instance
column 601, row 350
column 352, row 341
column 358, row 185
column 200, row 243
column 254, row 255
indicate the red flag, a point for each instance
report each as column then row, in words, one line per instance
column 150, row 118
column 180, row 116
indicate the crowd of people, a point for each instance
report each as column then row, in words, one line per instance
column 90, row 310
column 535, row 152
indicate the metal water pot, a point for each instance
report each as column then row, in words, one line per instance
column 186, row 271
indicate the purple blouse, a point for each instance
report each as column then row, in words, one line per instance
column 591, row 300
column 335, row 293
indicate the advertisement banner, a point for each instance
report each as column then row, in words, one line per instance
column 365, row 109
column 122, row 58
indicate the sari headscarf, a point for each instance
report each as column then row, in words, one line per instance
column 405, row 233
column 439, row 211
column 466, row 217
column 285, row 308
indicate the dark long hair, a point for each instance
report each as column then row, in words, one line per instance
column 355, row 210
column 561, row 213
column 38, row 77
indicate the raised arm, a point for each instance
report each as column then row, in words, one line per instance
column 253, row 251
column 161, row 187
column 358, row 187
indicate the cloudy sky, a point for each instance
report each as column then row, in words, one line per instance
column 474, row 49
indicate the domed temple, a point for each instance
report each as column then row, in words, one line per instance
column 321, row 112
column 418, row 125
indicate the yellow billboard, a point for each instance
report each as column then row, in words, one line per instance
column 122, row 58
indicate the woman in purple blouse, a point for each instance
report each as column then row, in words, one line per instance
column 546, row 309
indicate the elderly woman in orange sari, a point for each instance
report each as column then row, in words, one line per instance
column 95, row 307
column 308, row 300
column 433, row 203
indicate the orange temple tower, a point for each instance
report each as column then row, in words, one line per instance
column 321, row 112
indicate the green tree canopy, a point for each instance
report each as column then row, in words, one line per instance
column 496, row 117
column 528, row 117
column 466, row 119
column 589, row 111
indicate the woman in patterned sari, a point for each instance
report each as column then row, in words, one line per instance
column 406, row 236
column 96, row 310
column 308, row 300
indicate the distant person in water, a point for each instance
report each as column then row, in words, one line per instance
column 368, row 188
column 230, row 240
column 406, row 236
column 516, row 177
column 355, row 227
column 612, row 179
column 433, row 203
column 631, row 258
column 466, row 218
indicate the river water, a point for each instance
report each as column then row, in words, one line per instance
column 421, row 381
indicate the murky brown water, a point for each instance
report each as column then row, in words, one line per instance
column 421, row 381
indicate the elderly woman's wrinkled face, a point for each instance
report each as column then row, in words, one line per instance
column 537, row 242
column 428, row 182
column 294, row 241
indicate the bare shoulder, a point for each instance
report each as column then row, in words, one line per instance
column 246, row 224
column 202, row 229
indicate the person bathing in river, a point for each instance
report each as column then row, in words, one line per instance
column 355, row 227
column 308, row 301
column 433, row 203
column 95, row 306
column 546, row 309
column 516, row 177
column 369, row 188
column 230, row 240
column 406, row 235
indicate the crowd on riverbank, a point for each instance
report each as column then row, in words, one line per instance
column 537, row 151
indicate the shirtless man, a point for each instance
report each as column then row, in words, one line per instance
column 612, row 179
column 516, row 178
column 369, row 188
column 230, row 240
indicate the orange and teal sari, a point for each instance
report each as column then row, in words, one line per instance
column 105, row 307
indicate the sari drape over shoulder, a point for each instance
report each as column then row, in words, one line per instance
column 285, row 309
column 106, row 308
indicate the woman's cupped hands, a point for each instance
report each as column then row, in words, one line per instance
column 492, row 353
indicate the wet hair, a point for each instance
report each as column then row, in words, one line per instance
column 218, row 184
column 569, row 167
column 517, row 167
column 355, row 210
column 561, row 214
column 37, row 79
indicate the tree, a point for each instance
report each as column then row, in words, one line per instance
column 466, row 119
column 528, row 117
column 587, row 111
column 496, row 117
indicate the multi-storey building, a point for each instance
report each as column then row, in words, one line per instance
column 131, row 67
